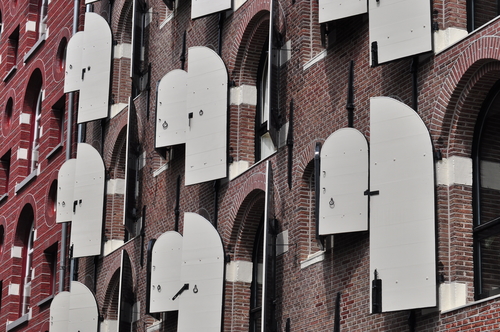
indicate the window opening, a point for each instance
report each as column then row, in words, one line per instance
column 257, row 277
column 42, row 24
column 36, row 127
column 4, row 173
column 264, row 146
column 27, row 272
column 480, row 12
column 486, row 158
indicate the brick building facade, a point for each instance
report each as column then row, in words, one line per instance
column 296, row 144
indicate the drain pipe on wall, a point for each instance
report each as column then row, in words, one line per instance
column 71, row 99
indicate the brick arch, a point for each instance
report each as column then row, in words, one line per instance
column 466, row 71
column 250, row 48
column 118, row 125
column 117, row 166
column 246, row 193
column 28, row 200
column 110, row 305
column 123, row 27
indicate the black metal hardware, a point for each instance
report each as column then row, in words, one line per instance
column 75, row 203
column 376, row 294
column 371, row 193
column 374, row 54
column 190, row 116
column 336, row 324
column 183, row 288
column 414, row 79
column 289, row 143
column 183, row 53
column 143, row 233
column 287, row 326
column 177, row 203
column 317, row 188
column 350, row 96
column 83, row 73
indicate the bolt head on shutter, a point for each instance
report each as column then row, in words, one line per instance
column 402, row 215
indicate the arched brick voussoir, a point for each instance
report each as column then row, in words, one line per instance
column 453, row 89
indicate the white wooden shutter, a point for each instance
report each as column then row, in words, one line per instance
column 96, row 69
column 344, row 180
column 402, row 226
column 86, row 228
column 400, row 28
column 65, row 190
column 59, row 312
column 200, row 306
column 83, row 314
column 73, row 71
column 330, row 10
column 171, row 112
column 206, row 136
column 74, row 311
column 201, row 8
column 166, row 265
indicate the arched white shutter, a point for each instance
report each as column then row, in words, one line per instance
column 206, row 135
column 200, row 306
column 83, row 313
column 344, row 180
column 73, row 70
column 166, row 265
column 88, row 202
column 171, row 111
column 65, row 190
column 96, row 69
column 59, row 313
column 402, row 225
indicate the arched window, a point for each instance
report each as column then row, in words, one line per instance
column 264, row 146
column 257, row 275
column 486, row 159
column 23, row 252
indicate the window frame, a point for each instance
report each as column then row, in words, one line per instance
column 471, row 20
column 481, row 230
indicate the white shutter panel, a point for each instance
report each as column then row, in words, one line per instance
column 73, row 71
column 344, row 180
column 65, row 190
column 96, row 64
column 59, row 313
column 83, row 314
column 206, row 136
column 171, row 112
column 166, row 272
column 201, row 8
column 400, row 28
column 200, row 306
column 90, row 1
column 86, row 228
column 402, row 226
column 330, row 10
